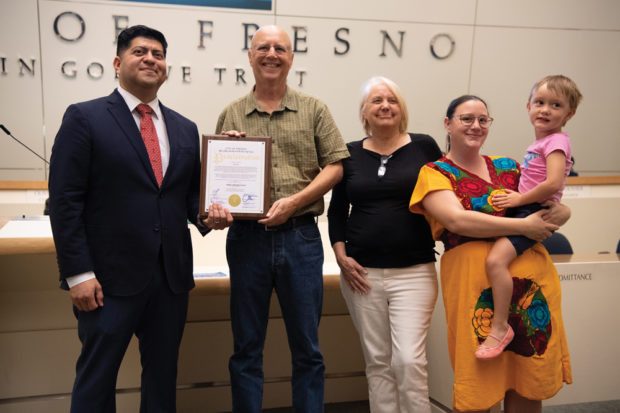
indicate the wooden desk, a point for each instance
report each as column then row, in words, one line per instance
column 39, row 343
column 26, row 246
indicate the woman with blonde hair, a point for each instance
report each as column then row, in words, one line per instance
column 385, row 253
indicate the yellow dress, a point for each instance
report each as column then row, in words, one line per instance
column 536, row 362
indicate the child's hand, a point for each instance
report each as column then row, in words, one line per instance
column 510, row 199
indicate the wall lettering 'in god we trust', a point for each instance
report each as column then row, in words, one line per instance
column 70, row 27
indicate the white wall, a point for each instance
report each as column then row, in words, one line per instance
column 501, row 48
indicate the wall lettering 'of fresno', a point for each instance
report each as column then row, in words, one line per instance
column 441, row 46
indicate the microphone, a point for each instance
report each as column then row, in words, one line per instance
column 23, row 144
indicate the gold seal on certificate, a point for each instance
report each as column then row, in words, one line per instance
column 234, row 200
column 236, row 172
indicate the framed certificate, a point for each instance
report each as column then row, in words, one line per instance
column 236, row 172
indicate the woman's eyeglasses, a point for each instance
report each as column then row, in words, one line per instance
column 382, row 165
column 469, row 119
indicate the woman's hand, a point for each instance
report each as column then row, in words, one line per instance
column 353, row 273
column 537, row 228
column 447, row 209
column 556, row 213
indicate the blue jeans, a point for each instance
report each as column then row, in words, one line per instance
column 291, row 261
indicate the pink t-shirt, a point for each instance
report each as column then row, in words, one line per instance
column 534, row 167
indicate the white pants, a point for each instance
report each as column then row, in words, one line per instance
column 392, row 321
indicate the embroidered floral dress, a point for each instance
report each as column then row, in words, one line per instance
column 536, row 362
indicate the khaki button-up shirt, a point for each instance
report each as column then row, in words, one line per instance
column 304, row 138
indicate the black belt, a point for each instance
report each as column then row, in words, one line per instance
column 291, row 223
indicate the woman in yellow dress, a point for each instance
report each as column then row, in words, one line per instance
column 454, row 193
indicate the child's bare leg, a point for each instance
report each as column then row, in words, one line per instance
column 501, row 255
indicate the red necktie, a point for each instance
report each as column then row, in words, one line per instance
column 149, row 135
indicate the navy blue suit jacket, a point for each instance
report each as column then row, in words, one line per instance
column 107, row 212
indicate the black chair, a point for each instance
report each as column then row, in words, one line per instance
column 558, row 244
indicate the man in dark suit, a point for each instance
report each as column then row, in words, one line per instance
column 124, row 180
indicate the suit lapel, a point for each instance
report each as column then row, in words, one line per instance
column 172, row 128
column 126, row 122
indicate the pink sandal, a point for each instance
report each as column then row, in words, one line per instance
column 486, row 353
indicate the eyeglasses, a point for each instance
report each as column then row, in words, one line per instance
column 382, row 165
column 263, row 49
column 468, row 119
